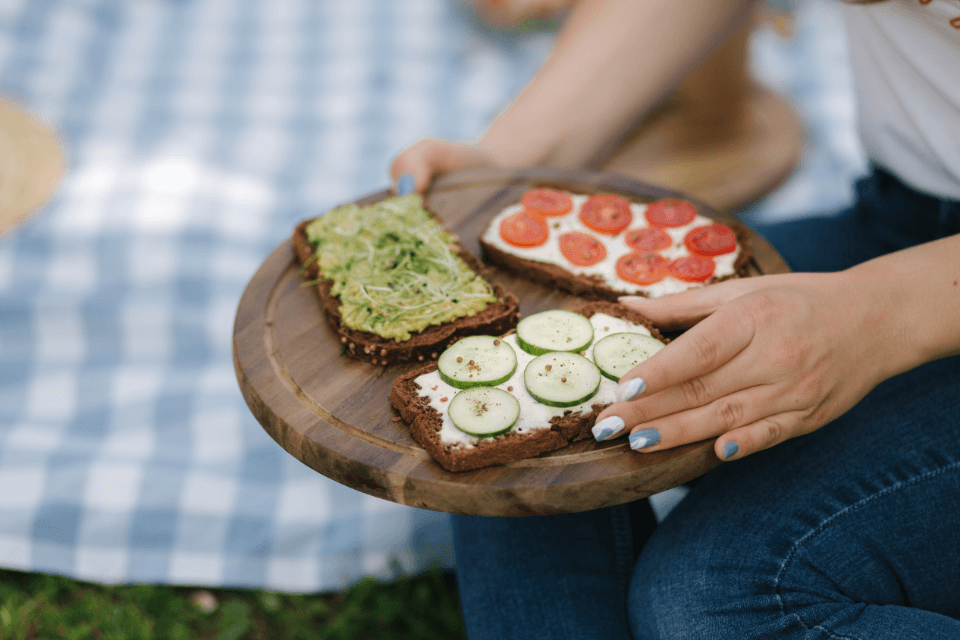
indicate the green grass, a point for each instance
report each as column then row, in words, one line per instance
column 41, row 607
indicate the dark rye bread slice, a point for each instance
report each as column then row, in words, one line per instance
column 424, row 345
column 424, row 421
column 593, row 287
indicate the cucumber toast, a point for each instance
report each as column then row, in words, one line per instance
column 495, row 399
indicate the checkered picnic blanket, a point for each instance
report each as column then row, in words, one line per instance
column 199, row 133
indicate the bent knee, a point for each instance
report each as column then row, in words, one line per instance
column 662, row 609
column 714, row 590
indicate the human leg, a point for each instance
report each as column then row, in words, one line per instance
column 851, row 531
column 549, row 577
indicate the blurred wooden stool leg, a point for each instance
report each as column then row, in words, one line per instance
column 721, row 138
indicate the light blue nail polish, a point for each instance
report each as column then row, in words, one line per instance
column 405, row 184
column 607, row 428
column 644, row 439
column 730, row 449
column 630, row 389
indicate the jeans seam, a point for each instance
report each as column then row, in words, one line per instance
column 623, row 545
column 829, row 632
column 788, row 559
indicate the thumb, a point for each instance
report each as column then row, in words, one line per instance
column 685, row 309
column 423, row 160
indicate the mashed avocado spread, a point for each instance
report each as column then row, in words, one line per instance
column 392, row 268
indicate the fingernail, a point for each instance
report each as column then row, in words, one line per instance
column 730, row 449
column 405, row 184
column 630, row 389
column 607, row 428
column 644, row 439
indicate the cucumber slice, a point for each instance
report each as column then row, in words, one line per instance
column 554, row 330
column 484, row 411
column 617, row 353
column 561, row 379
column 477, row 361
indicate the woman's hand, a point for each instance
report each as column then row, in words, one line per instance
column 429, row 157
column 768, row 358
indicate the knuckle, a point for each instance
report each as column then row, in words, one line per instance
column 630, row 413
column 706, row 348
column 695, row 392
column 786, row 356
column 761, row 308
column 681, row 433
column 810, row 389
column 730, row 412
column 772, row 433
column 640, row 414
column 780, row 356
column 820, row 414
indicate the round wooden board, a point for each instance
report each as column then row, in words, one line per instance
column 333, row 414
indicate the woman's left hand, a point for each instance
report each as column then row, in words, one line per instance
column 767, row 358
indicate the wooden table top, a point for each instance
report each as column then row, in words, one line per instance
column 333, row 414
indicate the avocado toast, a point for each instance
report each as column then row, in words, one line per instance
column 394, row 285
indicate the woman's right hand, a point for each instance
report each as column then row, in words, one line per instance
column 429, row 157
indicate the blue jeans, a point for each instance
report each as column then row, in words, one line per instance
column 852, row 531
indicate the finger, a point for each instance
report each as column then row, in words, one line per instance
column 413, row 164
column 686, row 308
column 713, row 342
column 761, row 434
column 675, row 311
column 689, row 394
column 709, row 421
column 429, row 157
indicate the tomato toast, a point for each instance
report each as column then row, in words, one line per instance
column 603, row 246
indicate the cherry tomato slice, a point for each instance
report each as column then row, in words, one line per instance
column 648, row 239
column 606, row 213
column 692, row 268
column 582, row 249
column 523, row 229
column 642, row 268
column 547, row 202
column 670, row 213
column 711, row 240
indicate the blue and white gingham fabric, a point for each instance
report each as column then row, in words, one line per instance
column 199, row 133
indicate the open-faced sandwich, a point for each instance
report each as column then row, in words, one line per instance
column 603, row 246
column 394, row 285
column 493, row 399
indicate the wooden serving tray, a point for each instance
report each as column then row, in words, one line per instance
column 333, row 414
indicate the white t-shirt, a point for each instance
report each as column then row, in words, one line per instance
column 905, row 56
